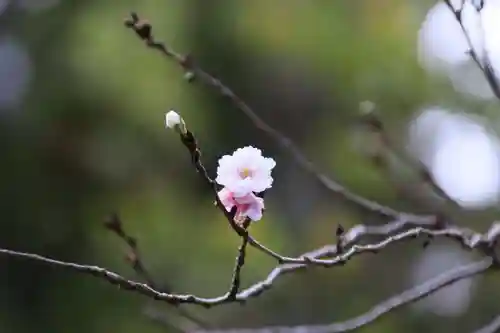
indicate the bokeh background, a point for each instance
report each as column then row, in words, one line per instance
column 82, row 105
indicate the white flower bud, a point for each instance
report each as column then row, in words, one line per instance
column 174, row 120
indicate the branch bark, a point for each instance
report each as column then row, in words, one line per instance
column 392, row 303
column 484, row 242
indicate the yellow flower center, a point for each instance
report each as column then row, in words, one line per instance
column 245, row 173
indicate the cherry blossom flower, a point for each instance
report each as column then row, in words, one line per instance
column 245, row 171
column 248, row 205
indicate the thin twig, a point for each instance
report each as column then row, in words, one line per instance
column 144, row 32
column 122, row 282
column 372, row 120
column 109, row 276
column 354, row 234
column 483, row 62
column 189, row 141
column 492, row 327
column 464, row 236
column 114, row 224
column 392, row 303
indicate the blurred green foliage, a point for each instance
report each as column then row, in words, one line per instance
column 89, row 139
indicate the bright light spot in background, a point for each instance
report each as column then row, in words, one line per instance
column 442, row 45
column 423, row 133
column 450, row 301
column 468, row 78
column 461, row 154
column 36, row 5
column 15, row 72
column 466, row 165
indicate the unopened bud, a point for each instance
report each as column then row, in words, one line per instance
column 175, row 121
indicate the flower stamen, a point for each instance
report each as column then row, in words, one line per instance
column 245, row 173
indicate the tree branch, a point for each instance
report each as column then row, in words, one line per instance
column 240, row 261
column 392, row 303
column 465, row 237
column 374, row 123
column 114, row 224
column 122, row 282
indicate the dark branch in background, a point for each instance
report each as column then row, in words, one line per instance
column 407, row 297
column 372, row 121
column 483, row 62
column 114, row 224
column 144, row 31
